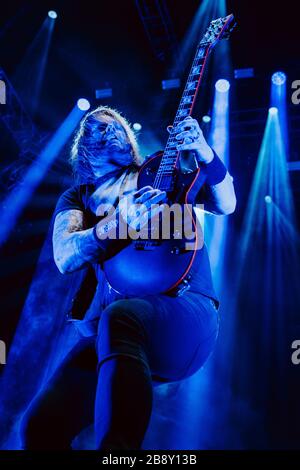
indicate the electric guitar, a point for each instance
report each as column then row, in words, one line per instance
column 158, row 265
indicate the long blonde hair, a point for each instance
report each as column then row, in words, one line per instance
column 85, row 143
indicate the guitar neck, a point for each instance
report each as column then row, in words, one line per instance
column 167, row 166
column 192, row 85
column 217, row 30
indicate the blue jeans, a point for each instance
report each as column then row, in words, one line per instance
column 109, row 379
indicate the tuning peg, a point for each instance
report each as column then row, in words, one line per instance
column 227, row 33
column 231, row 29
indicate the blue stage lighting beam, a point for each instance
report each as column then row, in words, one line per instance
column 207, row 11
column 219, row 140
column 15, row 202
column 268, row 258
column 278, row 100
column 270, row 180
column 29, row 75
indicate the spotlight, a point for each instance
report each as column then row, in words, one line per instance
column 222, row 85
column 206, row 119
column 279, row 78
column 83, row 104
column 52, row 14
column 137, row 126
column 273, row 111
column 268, row 199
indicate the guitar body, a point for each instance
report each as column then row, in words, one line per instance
column 146, row 267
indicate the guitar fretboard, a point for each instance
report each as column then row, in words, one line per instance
column 164, row 177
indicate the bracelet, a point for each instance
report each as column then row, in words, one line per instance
column 215, row 170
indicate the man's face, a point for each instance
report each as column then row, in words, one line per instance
column 114, row 145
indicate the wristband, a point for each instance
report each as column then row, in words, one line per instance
column 215, row 170
column 110, row 245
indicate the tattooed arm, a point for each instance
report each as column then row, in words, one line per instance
column 73, row 246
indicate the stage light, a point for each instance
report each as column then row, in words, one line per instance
column 206, row 119
column 83, row 104
column 137, row 126
column 219, row 140
column 52, row 14
column 279, row 78
column 170, row 83
column 268, row 199
column 103, row 93
column 222, row 85
column 35, row 59
column 243, row 73
column 273, row 111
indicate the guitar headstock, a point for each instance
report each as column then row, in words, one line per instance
column 217, row 30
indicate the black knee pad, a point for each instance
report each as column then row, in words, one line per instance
column 121, row 332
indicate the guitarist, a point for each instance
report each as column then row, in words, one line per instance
column 126, row 344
